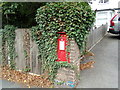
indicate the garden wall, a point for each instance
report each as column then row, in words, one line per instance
column 27, row 53
column 0, row 47
column 27, row 50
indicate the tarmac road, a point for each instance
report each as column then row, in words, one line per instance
column 8, row 84
column 105, row 71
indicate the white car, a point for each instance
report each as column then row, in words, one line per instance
column 115, row 25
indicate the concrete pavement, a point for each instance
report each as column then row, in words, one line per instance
column 105, row 71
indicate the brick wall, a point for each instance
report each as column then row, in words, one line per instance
column 70, row 76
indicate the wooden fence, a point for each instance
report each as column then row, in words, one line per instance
column 96, row 35
column 27, row 51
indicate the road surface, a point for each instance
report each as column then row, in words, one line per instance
column 105, row 71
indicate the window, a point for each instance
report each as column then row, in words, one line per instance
column 89, row 1
column 103, row 1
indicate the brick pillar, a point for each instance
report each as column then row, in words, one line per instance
column 68, row 77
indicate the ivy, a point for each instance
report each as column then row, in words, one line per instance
column 8, row 40
column 47, row 45
column 73, row 18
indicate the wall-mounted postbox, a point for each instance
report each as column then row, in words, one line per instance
column 61, row 48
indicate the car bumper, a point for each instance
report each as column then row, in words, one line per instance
column 113, row 31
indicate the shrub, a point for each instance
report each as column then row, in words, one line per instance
column 75, row 19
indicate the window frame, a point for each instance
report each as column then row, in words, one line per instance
column 103, row 1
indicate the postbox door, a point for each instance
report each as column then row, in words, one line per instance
column 62, row 48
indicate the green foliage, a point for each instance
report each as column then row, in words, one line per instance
column 25, row 54
column 20, row 14
column 75, row 19
column 26, row 69
column 9, row 39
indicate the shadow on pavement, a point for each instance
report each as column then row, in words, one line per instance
column 112, row 36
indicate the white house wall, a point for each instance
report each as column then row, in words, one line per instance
column 104, row 17
column 109, row 5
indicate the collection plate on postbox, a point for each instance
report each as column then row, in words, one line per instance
column 62, row 45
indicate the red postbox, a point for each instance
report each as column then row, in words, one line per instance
column 61, row 48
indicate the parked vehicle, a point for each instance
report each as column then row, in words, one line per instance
column 115, row 25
